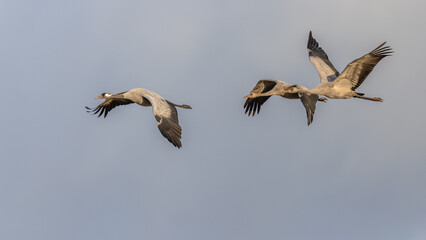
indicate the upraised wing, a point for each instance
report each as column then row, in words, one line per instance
column 358, row 70
column 254, row 104
column 320, row 60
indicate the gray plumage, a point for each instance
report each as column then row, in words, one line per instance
column 265, row 88
column 319, row 59
column 351, row 78
column 164, row 111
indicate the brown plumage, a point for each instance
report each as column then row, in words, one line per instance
column 358, row 70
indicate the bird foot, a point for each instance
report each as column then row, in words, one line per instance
column 377, row 99
column 323, row 99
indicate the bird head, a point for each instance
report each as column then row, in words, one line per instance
column 293, row 89
column 103, row 96
column 251, row 95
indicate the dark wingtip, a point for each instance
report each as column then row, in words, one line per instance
column 245, row 104
column 383, row 50
column 312, row 43
column 310, row 119
column 177, row 143
column 88, row 109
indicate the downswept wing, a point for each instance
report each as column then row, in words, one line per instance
column 358, row 70
column 167, row 119
column 109, row 103
column 309, row 102
column 319, row 59
column 254, row 104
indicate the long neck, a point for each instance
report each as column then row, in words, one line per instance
column 266, row 94
column 278, row 89
column 317, row 90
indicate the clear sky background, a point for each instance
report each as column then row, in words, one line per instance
column 358, row 172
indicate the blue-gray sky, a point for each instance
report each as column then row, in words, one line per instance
column 358, row 172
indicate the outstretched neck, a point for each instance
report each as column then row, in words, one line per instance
column 299, row 89
column 278, row 89
column 317, row 90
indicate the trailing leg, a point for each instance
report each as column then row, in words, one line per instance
column 376, row 99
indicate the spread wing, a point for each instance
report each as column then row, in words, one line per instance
column 357, row 71
column 253, row 104
column 167, row 119
column 309, row 102
column 109, row 103
column 320, row 60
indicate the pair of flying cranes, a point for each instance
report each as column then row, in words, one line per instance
column 333, row 85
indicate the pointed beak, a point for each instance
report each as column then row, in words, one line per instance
column 99, row 97
column 247, row 96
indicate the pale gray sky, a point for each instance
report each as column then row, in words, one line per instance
column 358, row 172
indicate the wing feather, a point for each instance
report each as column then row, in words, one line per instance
column 319, row 59
column 358, row 70
column 309, row 102
column 167, row 118
column 106, row 106
column 253, row 105
column 170, row 130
